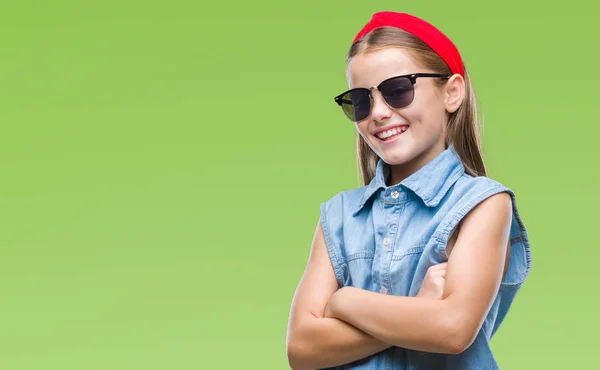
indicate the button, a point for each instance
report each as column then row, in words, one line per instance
column 395, row 194
column 386, row 241
column 383, row 290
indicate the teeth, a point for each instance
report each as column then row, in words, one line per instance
column 391, row 132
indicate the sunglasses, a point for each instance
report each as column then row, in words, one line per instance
column 398, row 92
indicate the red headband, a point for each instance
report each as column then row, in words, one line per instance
column 421, row 29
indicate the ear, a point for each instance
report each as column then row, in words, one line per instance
column 454, row 93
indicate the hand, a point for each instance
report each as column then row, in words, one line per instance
column 434, row 282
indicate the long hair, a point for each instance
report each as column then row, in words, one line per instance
column 463, row 130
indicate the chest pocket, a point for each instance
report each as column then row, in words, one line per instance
column 403, row 267
column 359, row 267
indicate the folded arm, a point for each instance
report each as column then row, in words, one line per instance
column 313, row 340
column 473, row 276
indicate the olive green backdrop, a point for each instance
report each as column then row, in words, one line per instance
column 162, row 165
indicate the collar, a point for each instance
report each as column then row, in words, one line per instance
column 430, row 183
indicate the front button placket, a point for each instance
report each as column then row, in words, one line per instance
column 387, row 241
column 393, row 200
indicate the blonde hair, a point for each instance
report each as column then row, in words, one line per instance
column 463, row 130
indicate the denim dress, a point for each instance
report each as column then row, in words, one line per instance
column 384, row 238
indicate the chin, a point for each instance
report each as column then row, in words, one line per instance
column 409, row 155
column 398, row 156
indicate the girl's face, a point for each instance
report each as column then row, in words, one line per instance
column 421, row 124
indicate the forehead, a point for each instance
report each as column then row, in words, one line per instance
column 370, row 68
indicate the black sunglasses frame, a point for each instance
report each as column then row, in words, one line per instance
column 411, row 77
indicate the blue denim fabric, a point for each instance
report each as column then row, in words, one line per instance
column 384, row 238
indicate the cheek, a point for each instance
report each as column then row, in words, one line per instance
column 425, row 115
column 427, row 108
column 414, row 115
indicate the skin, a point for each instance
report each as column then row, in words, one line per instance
column 330, row 326
column 427, row 115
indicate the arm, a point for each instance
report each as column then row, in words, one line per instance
column 315, row 341
column 473, row 277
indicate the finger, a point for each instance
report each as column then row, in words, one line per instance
column 432, row 268
column 441, row 265
column 440, row 283
column 440, row 274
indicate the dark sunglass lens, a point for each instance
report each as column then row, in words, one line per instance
column 398, row 92
column 356, row 105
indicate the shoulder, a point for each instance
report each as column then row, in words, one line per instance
column 469, row 191
column 479, row 184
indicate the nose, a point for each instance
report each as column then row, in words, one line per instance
column 380, row 110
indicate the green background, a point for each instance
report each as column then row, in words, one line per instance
column 163, row 165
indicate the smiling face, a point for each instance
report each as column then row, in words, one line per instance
column 406, row 138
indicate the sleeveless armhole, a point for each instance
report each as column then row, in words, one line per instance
column 519, row 263
column 332, row 231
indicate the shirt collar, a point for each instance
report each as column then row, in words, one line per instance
column 430, row 183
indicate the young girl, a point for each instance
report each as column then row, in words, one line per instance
column 418, row 268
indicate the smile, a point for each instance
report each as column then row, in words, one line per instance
column 391, row 133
